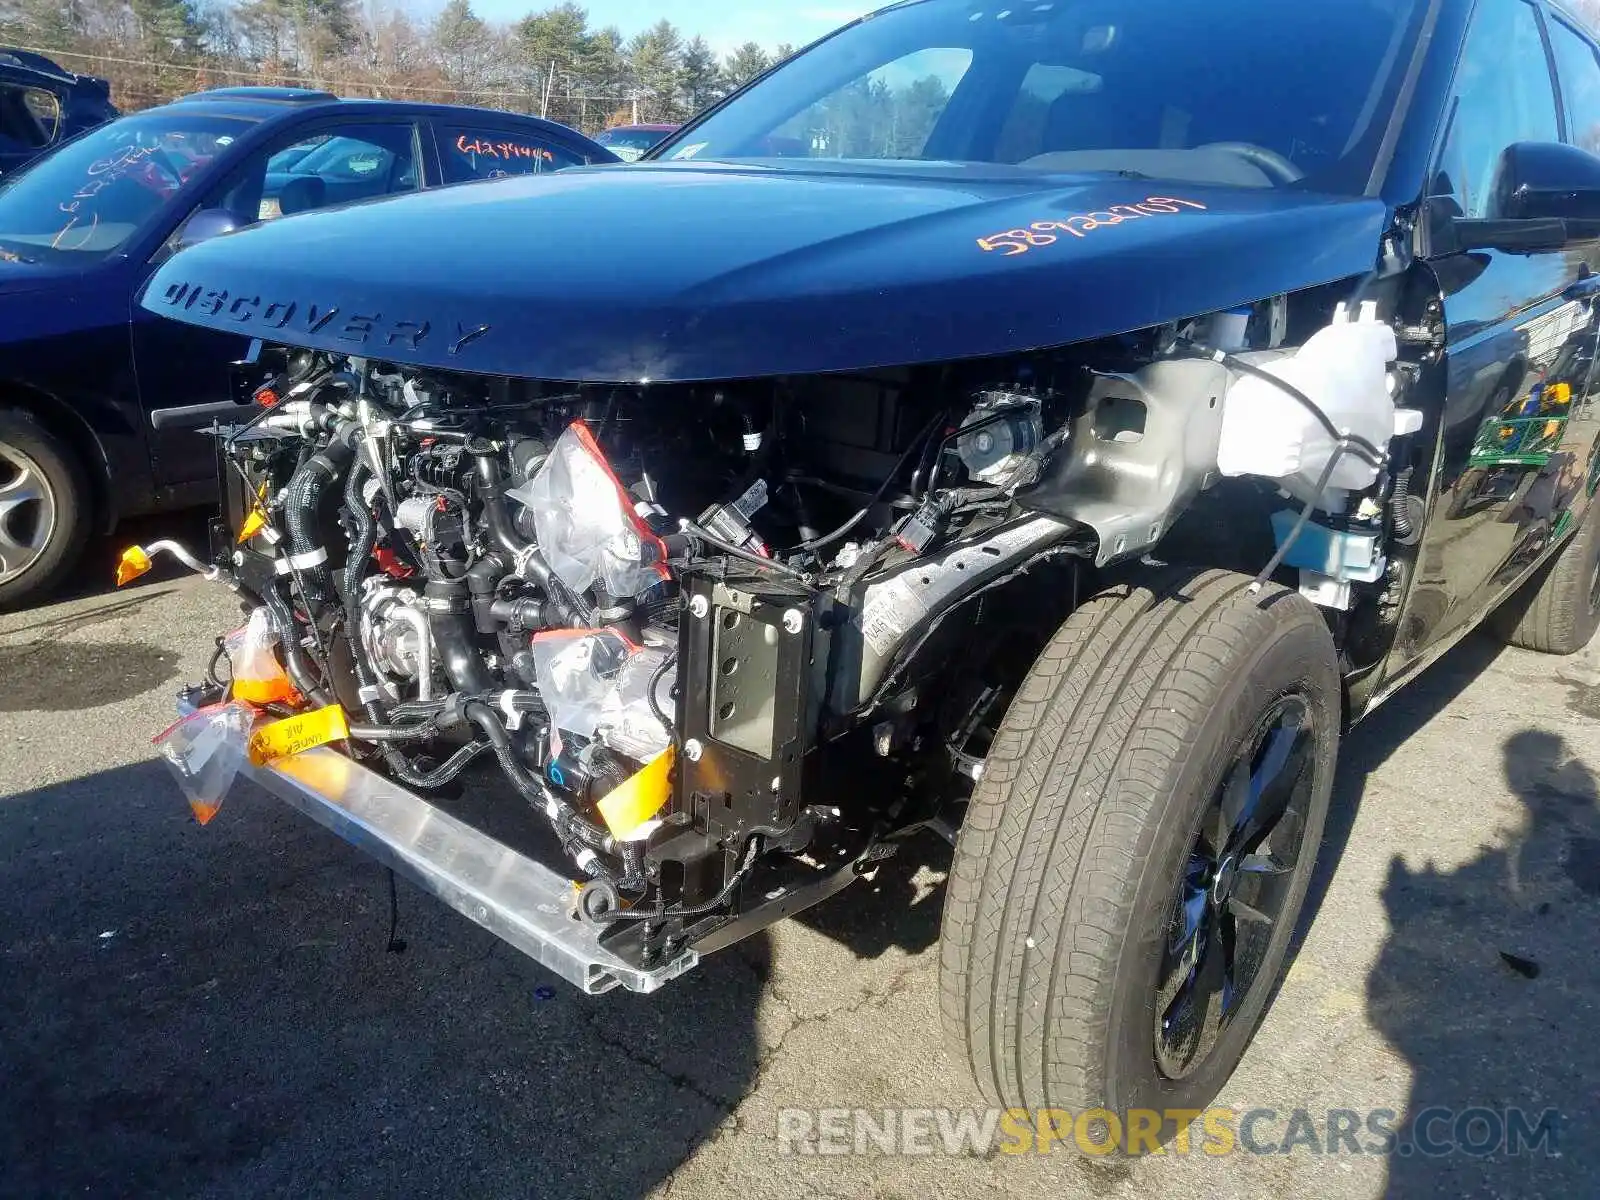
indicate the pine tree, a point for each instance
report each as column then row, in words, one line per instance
column 549, row 49
column 702, row 76
column 170, row 28
column 656, row 61
column 744, row 64
column 460, row 40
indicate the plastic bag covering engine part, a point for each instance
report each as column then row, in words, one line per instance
column 1344, row 370
column 586, row 523
column 204, row 751
column 596, row 684
column 258, row 676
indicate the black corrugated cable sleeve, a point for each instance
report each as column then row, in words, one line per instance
column 574, row 832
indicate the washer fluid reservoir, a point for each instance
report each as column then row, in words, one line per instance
column 1344, row 370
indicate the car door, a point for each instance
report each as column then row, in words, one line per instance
column 471, row 150
column 1520, row 338
column 186, row 374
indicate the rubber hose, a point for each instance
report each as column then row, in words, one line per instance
column 453, row 637
column 452, row 767
column 363, row 539
column 364, row 536
column 392, row 733
column 301, row 504
column 294, row 659
column 569, row 825
column 569, row 608
column 492, row 486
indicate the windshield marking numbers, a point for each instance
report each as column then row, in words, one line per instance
column 1044, row 233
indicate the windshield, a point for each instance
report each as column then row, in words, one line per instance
column 635, row 140
column 1256, row 92
column 86, row 200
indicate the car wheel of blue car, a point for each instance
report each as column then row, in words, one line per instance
column 42, row 509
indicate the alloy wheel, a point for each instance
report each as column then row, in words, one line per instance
column 27, row 512
column 1236, row 880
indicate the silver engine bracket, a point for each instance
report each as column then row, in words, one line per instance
column 897, row 603
column 1144, row 447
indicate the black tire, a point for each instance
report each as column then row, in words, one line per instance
column 1076, row 840
column 1558, row 610
column 27, row 445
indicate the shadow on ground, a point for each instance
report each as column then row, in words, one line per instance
column 1488, row 984
column 212, row 1012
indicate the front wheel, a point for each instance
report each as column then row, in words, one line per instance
column 1126, row 883
column 44, row 512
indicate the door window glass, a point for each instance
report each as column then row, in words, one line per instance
column 1579, row 70
column 337, row 166
column 480, row 152
column 1503, row 95
column 333, row 166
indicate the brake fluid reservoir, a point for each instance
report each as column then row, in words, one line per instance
column 1344, row 370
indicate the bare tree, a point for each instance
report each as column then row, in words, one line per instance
column 551, row 60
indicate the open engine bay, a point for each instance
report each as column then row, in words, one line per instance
column 704, row 631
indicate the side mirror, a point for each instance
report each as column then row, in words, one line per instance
column 1546, row 197
column 205, row 225
column 45, row 107
column 1535, row 180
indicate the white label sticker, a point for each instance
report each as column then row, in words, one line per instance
column 753, row 501
column 889, row 612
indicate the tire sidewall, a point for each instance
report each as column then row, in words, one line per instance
column 1585, row 549
column 1295, row 656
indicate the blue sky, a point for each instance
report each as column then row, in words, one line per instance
column 723, row 23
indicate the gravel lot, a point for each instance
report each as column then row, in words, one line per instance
column 194, row 1011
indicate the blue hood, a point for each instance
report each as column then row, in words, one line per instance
column 692, row 272
column 18, row 277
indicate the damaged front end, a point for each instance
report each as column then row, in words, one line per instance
column 730, row 643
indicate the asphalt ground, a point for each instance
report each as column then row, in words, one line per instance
column 190, row 1011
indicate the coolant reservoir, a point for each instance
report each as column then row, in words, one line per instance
column 1344, row 370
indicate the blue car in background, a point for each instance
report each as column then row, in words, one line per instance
column 101, row 403
column 42, row 105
